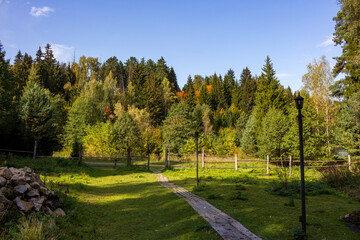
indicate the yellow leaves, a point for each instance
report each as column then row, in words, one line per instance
column 209, row 88
column 222, row 111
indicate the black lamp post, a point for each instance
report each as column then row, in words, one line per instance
column 197, row 159
column 299, row 105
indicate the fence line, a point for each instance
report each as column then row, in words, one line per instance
column 209, row 161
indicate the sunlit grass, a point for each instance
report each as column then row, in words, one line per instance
column 265, row 214
column 128, row 203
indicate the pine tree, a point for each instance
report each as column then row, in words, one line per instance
column 189, row 89
column 173, row 81
column 229, row 86
column 347, row 35
column 247, row 90
column 20, row 70
column 269, row 94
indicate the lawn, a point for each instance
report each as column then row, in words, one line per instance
column 128, row 203
column 245, row 198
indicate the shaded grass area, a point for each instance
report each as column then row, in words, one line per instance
column 107, row 203
column 127, row 203
column 247, row 199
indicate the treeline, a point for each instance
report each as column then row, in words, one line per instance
column 137, row 106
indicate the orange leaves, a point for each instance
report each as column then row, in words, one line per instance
column 182, row 95
column 209, row 88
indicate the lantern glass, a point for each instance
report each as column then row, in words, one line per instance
column 299, row 100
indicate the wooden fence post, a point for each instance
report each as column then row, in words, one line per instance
column 203, row 158
column 80, row 154
column 35, row 149
column 128, row 157
column 166, row 153
column 267, row 164
column 236, row 163
column 115, row 163
column 349, row 160
column 290, row 167
column 168, row 163
column 148, row 160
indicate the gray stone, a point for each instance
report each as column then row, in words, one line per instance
column 33, row 193
column 59, row 212
column 28, row 206
column 35, row 185
column 20, row 189
column 44, row 191
column 47, row 210
column 6, row 173
column 17, row 180
column 3, row 181
column 19, row 204
column 2, row 189
column 14, row 170
column 3, row 199
column 28, row 179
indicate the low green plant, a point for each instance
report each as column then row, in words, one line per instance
column 237, row 196
column 199, row 188
column 31, row 228
column 298, row 233
column 344, row 180
column 291, row 202
column 312, row 188
column 214, row 196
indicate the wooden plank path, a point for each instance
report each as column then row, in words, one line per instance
column 227, row 227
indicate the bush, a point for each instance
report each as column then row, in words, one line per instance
column 344, row 180
column 293, row 188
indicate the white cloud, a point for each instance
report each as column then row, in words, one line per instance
column 326, row 43
column 283, row 75
column 44, row 11
column 63, row 53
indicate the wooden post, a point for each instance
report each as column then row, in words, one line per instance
column 80, row 154
column 236, row 164
column 169, row 156
column 267, row 164
column 128, row 157
column 203, row 158
column 148, row 160
column 290, row 167
column 349, row 160
column 166, row 153
column 115, row 163
column 35, row 149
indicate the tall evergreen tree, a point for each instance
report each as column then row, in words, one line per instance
column 229, row 86
column 269, row 94
column 173, row 81
column 247, row 90
column 347, row 35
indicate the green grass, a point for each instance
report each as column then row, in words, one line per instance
column 127, row 203
column 246, row 198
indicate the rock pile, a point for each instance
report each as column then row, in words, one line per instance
column 23, row 189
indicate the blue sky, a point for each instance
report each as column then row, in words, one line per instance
column 194, row 36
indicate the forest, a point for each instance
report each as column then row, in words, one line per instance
column 114, row 107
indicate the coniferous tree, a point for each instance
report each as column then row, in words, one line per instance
column 173, row 81
column 189, row 89
column 178, row 126
column 247, row 90
column 229, row 86
column 269, row 94
column 347, row 35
